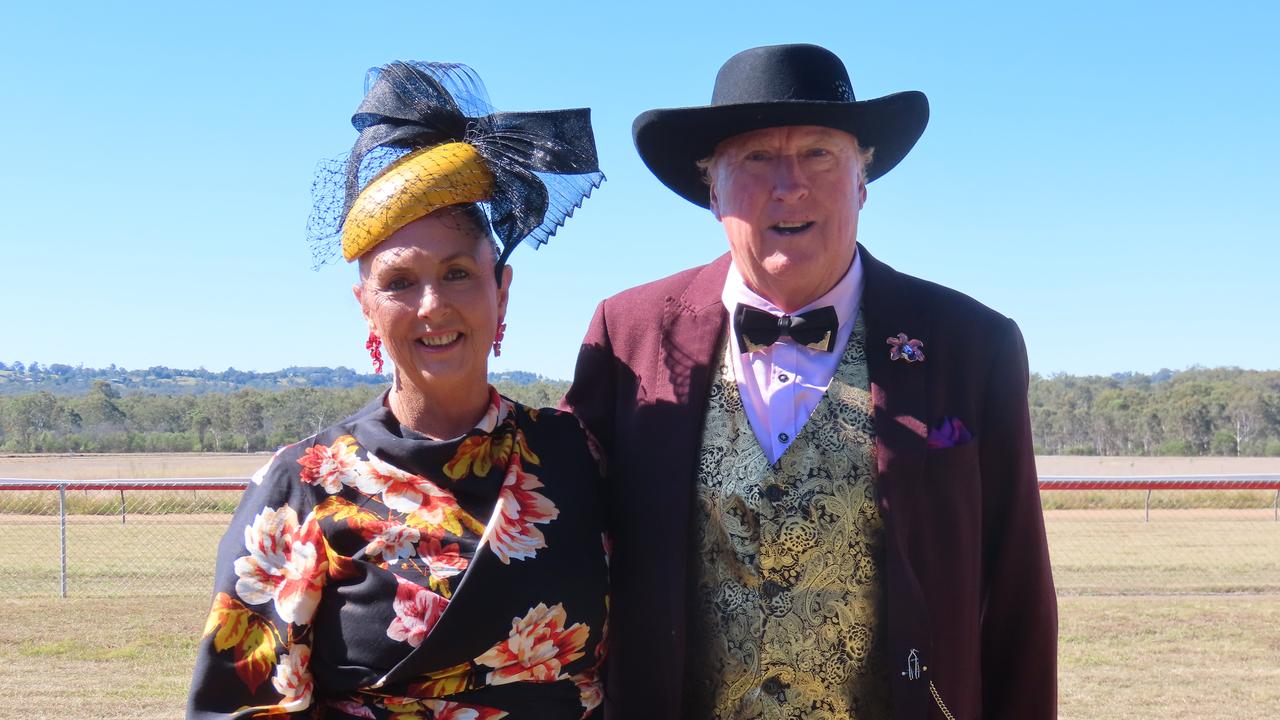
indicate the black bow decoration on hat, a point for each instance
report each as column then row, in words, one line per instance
column 543, row 163
column 757, row 329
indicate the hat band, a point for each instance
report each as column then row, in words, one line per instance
column 411, row 188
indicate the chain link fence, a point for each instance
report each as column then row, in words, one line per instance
column 98, row 538
column 1116, row 535
column 1181, row 534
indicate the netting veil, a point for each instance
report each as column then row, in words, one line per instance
column 430, row 138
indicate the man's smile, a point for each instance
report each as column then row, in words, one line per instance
column 791, row 228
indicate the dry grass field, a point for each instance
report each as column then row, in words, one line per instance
column 1178, row 617
column 1085, row 465
column 109, row 466
column 148, row 465
column 1120, row 657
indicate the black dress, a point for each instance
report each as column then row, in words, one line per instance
column 373, row 573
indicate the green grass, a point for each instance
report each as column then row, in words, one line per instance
column 110, row 502
column 1120, row 657
column 1160, row 499
column 1093, row 552
column 1201, row 658
column 146, row 555
column 97, row 658
column 1176, row 618
column 1178, row 551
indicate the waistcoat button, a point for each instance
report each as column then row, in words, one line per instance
column 771, row 589
column 773, row 685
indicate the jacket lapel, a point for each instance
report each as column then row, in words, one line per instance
column 898, row 388
column 899, row 391
column 692, row 325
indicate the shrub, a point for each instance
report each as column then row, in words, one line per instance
column 1175, row 448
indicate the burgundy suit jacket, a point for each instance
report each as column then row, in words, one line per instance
column 969, row 592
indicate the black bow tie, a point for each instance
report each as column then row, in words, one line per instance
column 758, row 329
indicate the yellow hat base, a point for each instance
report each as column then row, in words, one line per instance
column 413, row 187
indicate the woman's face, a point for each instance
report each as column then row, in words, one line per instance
column 429, row 292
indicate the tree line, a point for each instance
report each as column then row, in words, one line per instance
column 1200, row 411
column 105, row 420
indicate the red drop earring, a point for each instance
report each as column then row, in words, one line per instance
column 374, row 346
column 497, row 339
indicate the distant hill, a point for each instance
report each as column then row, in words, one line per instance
column 19, row 378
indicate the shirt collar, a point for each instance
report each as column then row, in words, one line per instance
column 844, row 296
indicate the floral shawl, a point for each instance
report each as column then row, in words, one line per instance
column 373, row 573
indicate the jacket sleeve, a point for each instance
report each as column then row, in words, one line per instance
column 254, row 657
column 591, row 397
column 1019, row 606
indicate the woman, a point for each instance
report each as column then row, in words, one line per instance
column 439, row 554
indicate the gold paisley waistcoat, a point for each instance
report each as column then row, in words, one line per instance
column 788, row 616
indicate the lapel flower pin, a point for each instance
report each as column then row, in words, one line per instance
column 903, row 349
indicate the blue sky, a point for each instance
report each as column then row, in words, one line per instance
column 1106, row 173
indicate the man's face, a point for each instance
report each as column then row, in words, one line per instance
column 789, row 199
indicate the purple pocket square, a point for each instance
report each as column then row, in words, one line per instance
column 950, row 432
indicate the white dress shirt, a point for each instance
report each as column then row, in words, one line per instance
column 782, row 384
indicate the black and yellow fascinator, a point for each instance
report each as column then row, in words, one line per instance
column 430, row 139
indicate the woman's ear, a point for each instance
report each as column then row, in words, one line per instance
column 358, row 291
column 504, row 291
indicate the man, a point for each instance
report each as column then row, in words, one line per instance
column 823, row 493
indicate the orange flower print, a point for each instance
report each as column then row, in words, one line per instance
column 538, row 648
column 407, row 708
column 499, row 409
column 439, row 513
column 333, row 466
column 477, row 455
column 443, row 561
column 286, row 563
column 400, row 490
column 354, row 708
column 445, row 710
column 417, row 610
column 392, row 541
column 590, row 691
column 293, row 679
column 511, row 530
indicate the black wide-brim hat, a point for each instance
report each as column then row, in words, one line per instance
column 776, row 86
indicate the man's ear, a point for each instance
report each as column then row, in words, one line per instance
column 715, row 202
column 862, row 193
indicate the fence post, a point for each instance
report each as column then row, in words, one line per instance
column 62, row 519
column 1147, row 508
column 121, row 506
column 1275, row 507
